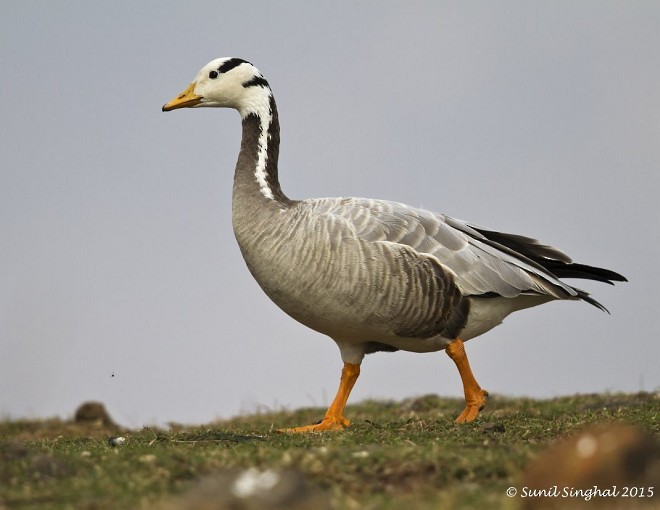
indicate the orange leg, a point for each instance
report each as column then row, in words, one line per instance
column 334, row 417
column 475, row 397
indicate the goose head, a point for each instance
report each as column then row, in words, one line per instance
column 225, row 83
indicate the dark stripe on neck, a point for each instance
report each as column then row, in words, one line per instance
column 230, row 64
column 257, row 81
column 273, row 153
column 252, row 130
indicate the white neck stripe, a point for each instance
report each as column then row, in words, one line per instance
column 258, row 103
column 260, row 170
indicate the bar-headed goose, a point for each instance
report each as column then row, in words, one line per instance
column 372, row 275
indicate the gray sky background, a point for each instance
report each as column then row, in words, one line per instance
column 116, row 250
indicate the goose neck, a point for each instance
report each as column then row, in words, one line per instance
column 256, row 176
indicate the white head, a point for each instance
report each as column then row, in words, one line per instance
column 226, row 83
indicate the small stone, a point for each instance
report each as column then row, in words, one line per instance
column 252, row 482
column 116, row 441
column 598, row 456
column 252, row 489
column 360, row 455
column 93, row 412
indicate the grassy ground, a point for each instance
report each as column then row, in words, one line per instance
column 395, row 455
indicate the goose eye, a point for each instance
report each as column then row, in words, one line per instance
column 213, row 75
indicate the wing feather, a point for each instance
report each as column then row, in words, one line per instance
column 480, row 265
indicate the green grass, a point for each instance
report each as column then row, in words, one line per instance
column 394, row 455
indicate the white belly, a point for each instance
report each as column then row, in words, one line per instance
column 486, row 313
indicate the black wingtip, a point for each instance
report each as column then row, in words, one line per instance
column 582, row 271
column 551, row 259
column 584, row 296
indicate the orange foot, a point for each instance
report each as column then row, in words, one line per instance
column 475, row 397
column 334, row 417
column 473, row 406
column 328, row 424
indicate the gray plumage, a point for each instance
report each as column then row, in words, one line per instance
column 371, row 274
column 373, row 268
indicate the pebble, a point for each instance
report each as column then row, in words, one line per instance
column 116, row 441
